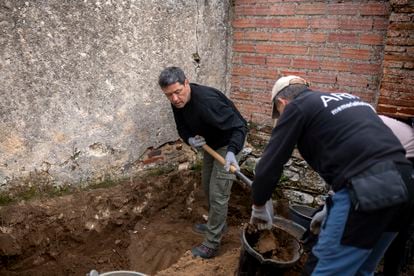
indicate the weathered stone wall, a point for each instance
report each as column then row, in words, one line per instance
column 78, row 81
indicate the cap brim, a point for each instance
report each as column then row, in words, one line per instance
column 275, row 112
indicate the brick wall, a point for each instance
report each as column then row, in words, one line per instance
column 396, row 91
column 337, row 45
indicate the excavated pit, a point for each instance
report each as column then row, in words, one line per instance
column 141, row 225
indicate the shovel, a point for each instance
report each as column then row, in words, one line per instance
column 221, row 160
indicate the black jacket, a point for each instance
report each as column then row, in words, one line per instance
column 210, row 114
column 337, row 134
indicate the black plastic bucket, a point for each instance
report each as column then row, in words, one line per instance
column 252, row 262
column 301, row 214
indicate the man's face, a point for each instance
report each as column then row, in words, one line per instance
column 178, row 94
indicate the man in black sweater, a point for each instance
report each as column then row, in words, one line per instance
column 343, row 139
column 205, row 115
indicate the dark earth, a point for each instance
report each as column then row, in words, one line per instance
column 143, row 224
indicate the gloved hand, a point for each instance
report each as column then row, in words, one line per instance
column 262, row 216
column 196, row 142
column 316, row 222
column 231, row 160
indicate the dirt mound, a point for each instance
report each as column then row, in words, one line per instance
column 142, row 225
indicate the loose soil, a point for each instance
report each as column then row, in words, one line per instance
column 141, row 225
column 275, row 244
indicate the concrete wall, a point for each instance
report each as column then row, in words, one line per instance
column 79, row 99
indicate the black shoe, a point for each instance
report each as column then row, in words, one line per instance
column 201, row 228
column 204, row 252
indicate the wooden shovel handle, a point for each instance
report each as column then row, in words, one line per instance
column 221, row 160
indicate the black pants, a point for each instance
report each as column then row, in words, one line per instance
column 401, row 250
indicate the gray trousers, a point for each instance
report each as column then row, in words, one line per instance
column 217, row 187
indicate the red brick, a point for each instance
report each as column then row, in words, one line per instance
column 397, row 49
column 253, row 59
column 347, row 79
column 336, row 65
column 252, row 2
column 400, row 41
column 371, row 39
column 400, row 17
column 342, row 38
column 321, row 77
column 406, row 111
column 405, row 26
column 283, row 36
column 324, row 52
column 251, row 107
column 305, row 63
column 285, row 72
column 256, row 35
column 252, row 10
column 322, row 88
column 267, row 23
column 262, row 119
column 406, row 8
column 403, row 74
column 355, row 24
column 380, row 24
column 359, row 54
column 364, row 68
column 381, row 108
column 242, row 71
column 266, row 73
column 396, row 102
column 235, row 81
column 236, row 58
column 399, row 88
column 273, row 61
column 241, row 96
column 392, row 78
column 343, row 9
column 254, row 83
column 393, row 64
column 238, row 35
column 283, row 9
column 311, row 37
column 241, row 47
column 409, row 65
column 375, row 9
column 324, row 23
column 281, row 49
column 311, row 9
column 244, row 23
column 398, row 57
column 294, row 23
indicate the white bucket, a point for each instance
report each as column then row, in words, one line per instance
column 118, row 273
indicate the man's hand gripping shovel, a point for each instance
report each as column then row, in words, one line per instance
column 262, row 216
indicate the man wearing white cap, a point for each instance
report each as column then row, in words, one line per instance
column 343, row 139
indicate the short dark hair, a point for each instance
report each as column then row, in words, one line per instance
column 292, row 91
column 171, row 75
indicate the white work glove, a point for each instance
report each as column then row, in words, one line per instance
column 231, row 160
column 316, row 222
column 196, row 142
column 263, row 216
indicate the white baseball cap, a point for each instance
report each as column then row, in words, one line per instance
column 280, row 84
